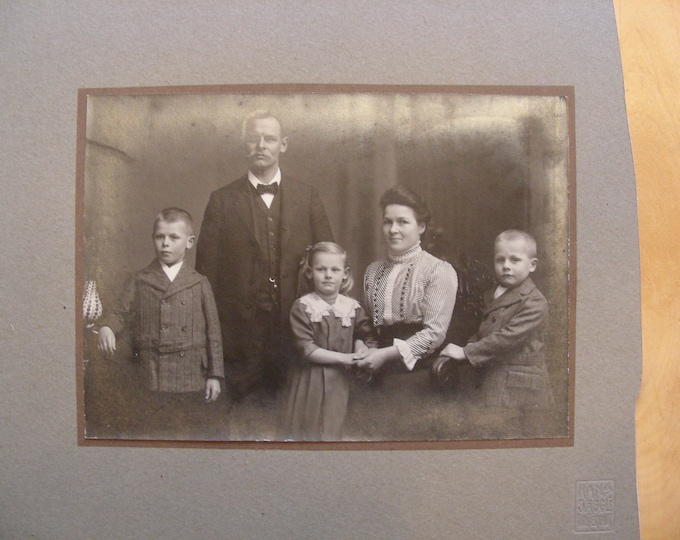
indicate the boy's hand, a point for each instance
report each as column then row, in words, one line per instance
column 454, row 351
column 212, row 389
column 107, row 340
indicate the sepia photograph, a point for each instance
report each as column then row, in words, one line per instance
column 326, row 266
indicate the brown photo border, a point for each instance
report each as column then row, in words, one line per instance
column 568, row 92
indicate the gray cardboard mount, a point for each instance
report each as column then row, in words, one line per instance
column 53, row 488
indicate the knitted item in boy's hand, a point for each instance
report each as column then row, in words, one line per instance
column 92, row 306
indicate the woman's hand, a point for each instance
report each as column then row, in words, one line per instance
column 360, row 350
column 377, row 358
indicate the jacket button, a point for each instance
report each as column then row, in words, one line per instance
column 182, row 354
column 184, row 328
column 164, row 301
column 183, row 302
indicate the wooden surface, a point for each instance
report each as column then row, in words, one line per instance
column 649, row 35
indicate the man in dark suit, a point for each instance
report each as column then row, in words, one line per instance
column 254, row 233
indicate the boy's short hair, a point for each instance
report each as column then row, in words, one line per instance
column 174, row 214
column 258, row 115
column 516, row 234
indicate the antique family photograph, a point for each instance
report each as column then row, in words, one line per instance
column 326, row 264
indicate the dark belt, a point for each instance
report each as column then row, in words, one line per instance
column 387, row 334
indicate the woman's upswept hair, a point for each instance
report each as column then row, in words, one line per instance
column 305, row 283
column 405, row 196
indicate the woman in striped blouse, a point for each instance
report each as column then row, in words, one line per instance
column 410, row 295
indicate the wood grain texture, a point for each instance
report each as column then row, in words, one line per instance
column 649, row 35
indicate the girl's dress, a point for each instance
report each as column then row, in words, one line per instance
column 317, row 393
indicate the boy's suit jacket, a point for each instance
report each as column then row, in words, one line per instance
column 174, row 326
column 228, row 252
column 509, row 347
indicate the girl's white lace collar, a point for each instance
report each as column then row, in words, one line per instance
column 344, row 308
column 407, row 256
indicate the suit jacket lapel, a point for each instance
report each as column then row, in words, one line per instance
column 243, row 206
column 154, row 276
column 186, row 277
column 510, row 297
column 289, row 208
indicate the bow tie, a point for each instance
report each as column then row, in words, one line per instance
column 268, row 188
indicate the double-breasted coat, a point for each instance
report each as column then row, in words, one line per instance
column 509, row 348
column 174, row 326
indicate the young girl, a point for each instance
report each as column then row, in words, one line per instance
column 328, row 326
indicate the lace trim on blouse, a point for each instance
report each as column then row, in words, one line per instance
column 317, row 308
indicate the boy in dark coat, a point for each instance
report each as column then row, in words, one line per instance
column 509, row 344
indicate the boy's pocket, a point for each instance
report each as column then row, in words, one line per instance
column 527, row 377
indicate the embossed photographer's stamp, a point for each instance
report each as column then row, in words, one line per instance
column 594, row 506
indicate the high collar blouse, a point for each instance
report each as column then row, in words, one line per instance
column 412, row 287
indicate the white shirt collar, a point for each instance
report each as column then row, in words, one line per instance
column 499, row 291
column 254, row 180
column 268, row 198
column 172, row 271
